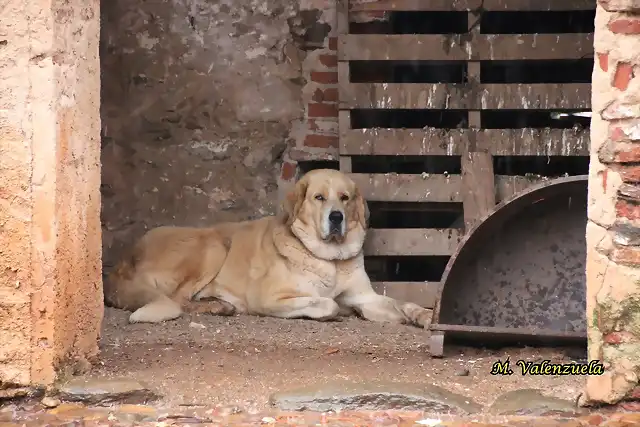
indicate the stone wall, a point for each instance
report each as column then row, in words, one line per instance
column 50, row 287
column 613, row 231
column 208, row 106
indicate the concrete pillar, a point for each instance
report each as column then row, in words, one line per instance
column 50, row 251
column 613, row 230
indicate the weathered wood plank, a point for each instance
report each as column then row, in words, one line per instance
column 450, row 142
column 466, row 5
column 478, row 187
column 422, row 293
column 411, row 242
column 464, row 47
column 507, row 185
column 465, row 96
column 408, row 188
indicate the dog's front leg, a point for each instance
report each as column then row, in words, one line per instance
column 360, row 296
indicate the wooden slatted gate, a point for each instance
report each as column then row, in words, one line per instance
column 485, row 146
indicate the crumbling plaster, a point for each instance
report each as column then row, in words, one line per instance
column 613, row 257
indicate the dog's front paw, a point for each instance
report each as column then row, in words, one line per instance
column 419, row 316
column 424, row 318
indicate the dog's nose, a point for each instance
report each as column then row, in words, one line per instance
column 336, row 217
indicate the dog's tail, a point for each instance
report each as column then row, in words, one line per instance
column 121, row 290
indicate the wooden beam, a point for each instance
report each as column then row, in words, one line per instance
column 507, row 185
column 462, row 47
column 478, row 188
column 408, row 187
column 465, row 96
column 422, row 293
column 440, row 142
column 466, row 5
column 411, row 242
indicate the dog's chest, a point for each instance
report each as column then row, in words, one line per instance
column 324, row 278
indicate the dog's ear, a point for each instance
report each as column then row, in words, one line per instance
column 293, row 201
column 362, row 209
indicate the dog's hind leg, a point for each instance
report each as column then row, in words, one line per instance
column 213, row 306
column 141, row 295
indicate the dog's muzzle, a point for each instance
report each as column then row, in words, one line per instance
column 336, row 219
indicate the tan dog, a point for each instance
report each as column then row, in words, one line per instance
column 304, row 263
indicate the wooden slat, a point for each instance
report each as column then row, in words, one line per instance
column 464, row 47
column 422, row 293
column 410, row 142
column 408, row 188
column 449, row 142
column 463, row 96
column 478, row 188
column 411, row 242
column 507, row 185
column 465, row 5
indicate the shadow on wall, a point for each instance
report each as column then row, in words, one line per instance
column 198, row 102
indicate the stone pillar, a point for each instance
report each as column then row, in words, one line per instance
column 613, row 230
column 50, row 251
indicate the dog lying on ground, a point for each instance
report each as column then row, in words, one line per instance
column 306, row 262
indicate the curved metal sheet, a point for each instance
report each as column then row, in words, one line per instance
column 523, row 265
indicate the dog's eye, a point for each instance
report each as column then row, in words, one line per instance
column 344, row 198
column 319, row 197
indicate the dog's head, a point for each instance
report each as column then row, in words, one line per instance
column 328, row 214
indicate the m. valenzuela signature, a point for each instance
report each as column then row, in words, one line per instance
column 546, row 367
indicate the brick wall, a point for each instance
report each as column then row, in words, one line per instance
column 613, row 231
column 317, row 139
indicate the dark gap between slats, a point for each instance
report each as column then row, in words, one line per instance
column 405, row 268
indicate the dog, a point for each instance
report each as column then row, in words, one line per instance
column 305, row 262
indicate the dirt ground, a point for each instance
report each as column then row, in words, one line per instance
column 241, row 360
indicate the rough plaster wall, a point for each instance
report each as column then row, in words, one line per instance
column 50, row 288
column 200, row 101
column 613, row 230
column 15, row 197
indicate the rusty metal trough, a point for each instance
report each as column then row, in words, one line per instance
column 519, row 275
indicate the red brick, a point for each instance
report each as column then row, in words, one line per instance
column 628, row 153
column 629, row 173
column 619, row 337
column 624, row 26
column 626, row 255
column 288, row 171
column 619, row 152
column 625, row 209
column 603, row 61
column 321, row 141
column 323, row 110
column 629, row 406
column 330, row 61
column 333, row 43
column 318, row 95
column 324, row 77
column 623, row 75
column 331, row 94
column 616, row 133
column 327, row 95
